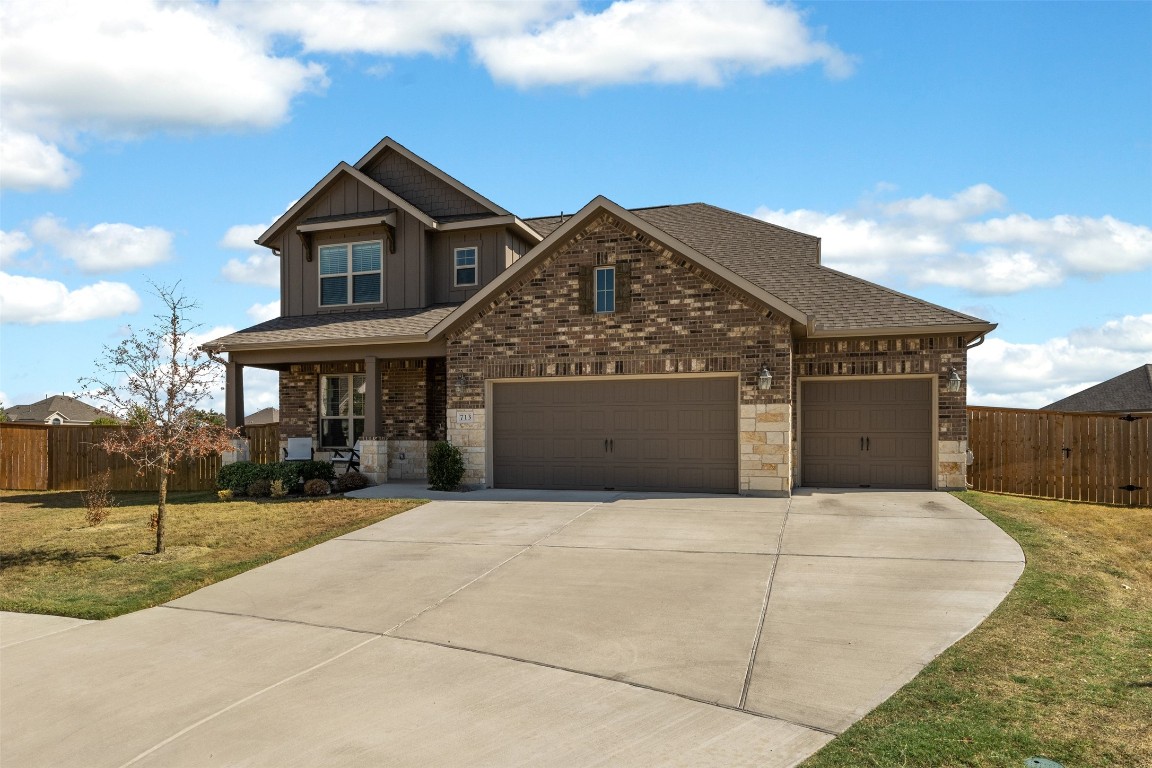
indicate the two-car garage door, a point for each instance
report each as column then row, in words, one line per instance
column 666, row 434
column 866, row 434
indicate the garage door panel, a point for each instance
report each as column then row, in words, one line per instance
column 875, row 433
column 642, row 434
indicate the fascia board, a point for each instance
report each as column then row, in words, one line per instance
column 298, row 206
column 389, row 143
column 509, row 221
column 357, row 342
column 974, row 329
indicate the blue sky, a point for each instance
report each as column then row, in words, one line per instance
column 992, row 157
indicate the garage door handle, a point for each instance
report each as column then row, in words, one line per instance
column 867, row 443
column 612, row 445
column 861, row 443
column 605, row 445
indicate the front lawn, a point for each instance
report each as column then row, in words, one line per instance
column 53, row 562
column 1062, row 669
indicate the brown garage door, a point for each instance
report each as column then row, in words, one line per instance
column 866, row 434
column 636, row 435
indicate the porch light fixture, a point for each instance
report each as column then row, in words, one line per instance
column 764, row 380
column 954, row 382
column 461, row 383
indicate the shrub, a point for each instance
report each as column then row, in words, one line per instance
column 445, row 466
column 315, row 470
column 287, row 472
column 317, row 487
column 277, row 490
column 98, row 498
column 238, row 476
column 351, row 481
column 260, row 488
column 224, row 494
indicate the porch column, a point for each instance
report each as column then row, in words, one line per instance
column 373, row 421
column 234, row 395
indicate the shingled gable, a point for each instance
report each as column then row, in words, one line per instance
column 571, row 226
column 1130, row 392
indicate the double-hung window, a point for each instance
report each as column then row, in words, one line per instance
column 341, row 410
column 351, row 273
column 466, row 267
column 605, row 289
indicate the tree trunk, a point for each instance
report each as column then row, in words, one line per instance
column 162, row 503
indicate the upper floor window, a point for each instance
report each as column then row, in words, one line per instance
column 466, row 268
column 605, row 289
column 351, row 273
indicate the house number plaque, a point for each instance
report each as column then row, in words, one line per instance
column 463, row 418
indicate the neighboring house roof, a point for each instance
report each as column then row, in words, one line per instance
column 785, row 264
column 364, row 327
column 1129, row 392
column 69, row 408
column 263, row 416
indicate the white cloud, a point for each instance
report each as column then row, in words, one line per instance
column 257, row 269
column 34, row 300
column 261, row 312
column 952, row 241
column 28, row 162
column 674, row 41
column 1014, row 375
column 105, row 247
column 12, row 243
column 242, row 237
column 396, row 27
column 129, row 67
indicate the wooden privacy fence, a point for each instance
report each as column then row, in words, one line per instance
column 38, row 457
column 1103, row 458
column 264, row 443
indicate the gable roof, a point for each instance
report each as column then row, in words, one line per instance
column 387, row 144
column 342, row 169
column 1128, row 392
column 571, row 225
column 785, row 264
column 69, row 408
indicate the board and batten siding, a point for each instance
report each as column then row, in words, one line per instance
column 493, row 243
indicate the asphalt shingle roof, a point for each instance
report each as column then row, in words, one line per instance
column 1128, row 392
column 338, row 327
column 68, row 407
column 784, row 263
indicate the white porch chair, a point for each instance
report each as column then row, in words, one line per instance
column 299, row 449
column 349, row 457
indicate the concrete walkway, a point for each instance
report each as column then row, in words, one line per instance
column 514, row 628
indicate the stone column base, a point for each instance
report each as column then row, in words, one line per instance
column 374, row 460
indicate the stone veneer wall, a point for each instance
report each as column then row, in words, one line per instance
column 679, row 321
column 894, row 356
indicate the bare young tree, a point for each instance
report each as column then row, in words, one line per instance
column 156, row 380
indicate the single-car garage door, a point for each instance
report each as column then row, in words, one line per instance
column 866, row 434
column 635, row 434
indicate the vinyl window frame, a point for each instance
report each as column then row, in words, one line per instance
column 349, row 274
column 604, row 292
column 457, row 267
column 350, row 408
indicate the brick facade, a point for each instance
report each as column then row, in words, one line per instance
column 678, row 322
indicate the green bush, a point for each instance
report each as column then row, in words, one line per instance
column 315, row 470
column 445, row 466
column 238, row 476
column 351, row 481
column 317, row 487
column 287, row 472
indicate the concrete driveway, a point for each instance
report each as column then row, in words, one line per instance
column 524, row 629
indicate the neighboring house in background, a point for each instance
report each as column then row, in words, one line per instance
column 1129, row 392
column 57, row 409
column 263, row 416
column 681, row 348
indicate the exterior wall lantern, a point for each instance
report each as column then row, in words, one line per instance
column 461, row 384
column 764, row 380
column 954, row 382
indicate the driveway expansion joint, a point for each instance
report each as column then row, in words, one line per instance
column 892, row 557
column 272, row 618
column 764, row 608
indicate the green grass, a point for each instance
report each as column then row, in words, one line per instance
column 52, row 562
column 1062, row 669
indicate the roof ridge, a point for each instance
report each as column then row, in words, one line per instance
column 761, row 222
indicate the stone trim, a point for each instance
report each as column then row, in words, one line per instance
column 765, row 449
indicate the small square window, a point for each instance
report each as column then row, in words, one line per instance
column 466, row 266
column 605, row 289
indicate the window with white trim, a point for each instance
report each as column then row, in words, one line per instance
column 605, row 289
column 351, row 273
column 341, row 410
column 466, row 266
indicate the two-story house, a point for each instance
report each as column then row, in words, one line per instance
column 681, row 348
